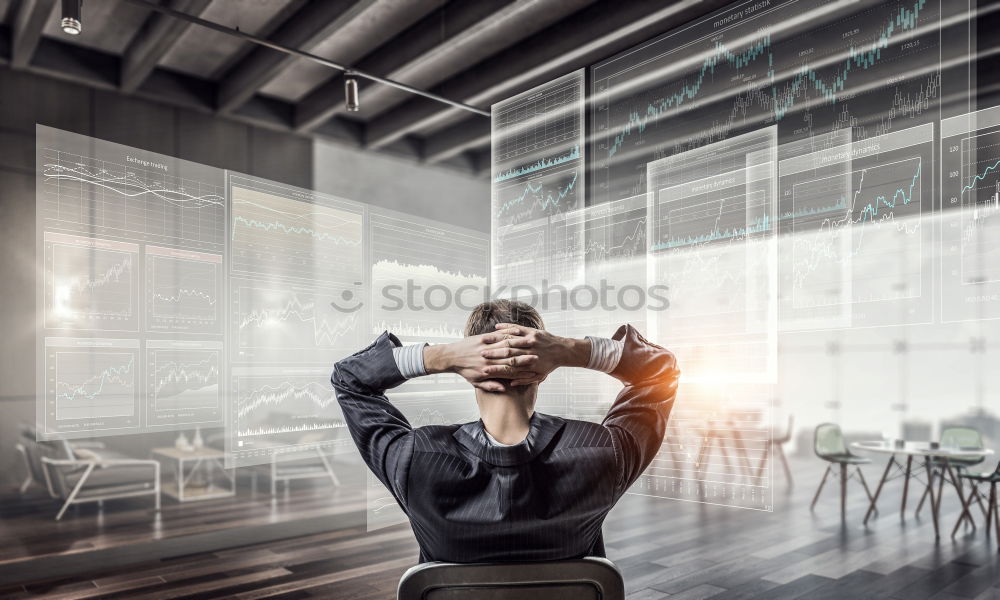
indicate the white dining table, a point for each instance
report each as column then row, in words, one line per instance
column 921, row 452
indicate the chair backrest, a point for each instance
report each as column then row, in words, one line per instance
column 829, row 440
column 965, row 438
column 581, row 579
column 34, row 451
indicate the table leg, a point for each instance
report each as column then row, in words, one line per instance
column 979, row 500
column 996, row 512
column 741, row 450
column 843, row 492
column 930, row 493
column 784, row 463
column 763, row 460
column 725, row 453
column 180, row 479
column 906, row 487
column 990, row 503
column 700, row 465
column 878, row 490
column 194, row 469
column 958, row 490
column 230, row 475
column 966, row 503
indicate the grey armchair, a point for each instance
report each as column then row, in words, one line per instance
column 582, row 579
column 30, row 451
column 76, row 475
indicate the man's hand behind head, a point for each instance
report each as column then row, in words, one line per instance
column 511, row 344
column 466, row 357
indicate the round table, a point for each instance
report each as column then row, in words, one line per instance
column 918, row 450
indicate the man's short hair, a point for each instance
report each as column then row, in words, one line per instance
column 485, row 317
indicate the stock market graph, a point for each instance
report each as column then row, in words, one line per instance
column 970, row 188
column 538, row 186
column 811, row 67
column 296, row 255
column 131, row 248
column 423, row 274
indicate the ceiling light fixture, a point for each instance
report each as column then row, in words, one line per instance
column 352, row 97
column 72, row 19
column 155, row 5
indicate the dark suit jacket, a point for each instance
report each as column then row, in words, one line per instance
column 542, row 499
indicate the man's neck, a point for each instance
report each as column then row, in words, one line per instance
column 505, row 417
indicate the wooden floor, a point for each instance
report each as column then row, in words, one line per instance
column 666, row 549
column 28, row 528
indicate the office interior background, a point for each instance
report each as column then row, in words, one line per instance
column 206, row 203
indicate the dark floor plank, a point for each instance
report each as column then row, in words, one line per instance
column 802, row 587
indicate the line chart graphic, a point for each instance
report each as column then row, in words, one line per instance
column 91, row 385
column 713, row 245
column 616, row 230
column 970, row 186
column 99, row 188
column 419, row 264
column 277, row 412
column 855, row 250
column 551, row 194
column 865, row 66
column 90, row 284
column 176, row 379
column 881, row 200
column 112, row 381
column 278, row 323
column 287, row 232
column 183, row 383
column 183, row 291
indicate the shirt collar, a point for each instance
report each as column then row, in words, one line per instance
column 543, row 429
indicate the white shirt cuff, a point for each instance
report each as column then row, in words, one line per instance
column 605, row 353
column 410, row 360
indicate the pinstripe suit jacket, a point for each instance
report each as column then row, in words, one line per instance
column 543, row 499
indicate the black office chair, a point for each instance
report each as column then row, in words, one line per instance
column 582, row 579
column 829, row 445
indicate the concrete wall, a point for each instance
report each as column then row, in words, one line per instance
column 430, row 192
column 27, row 99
